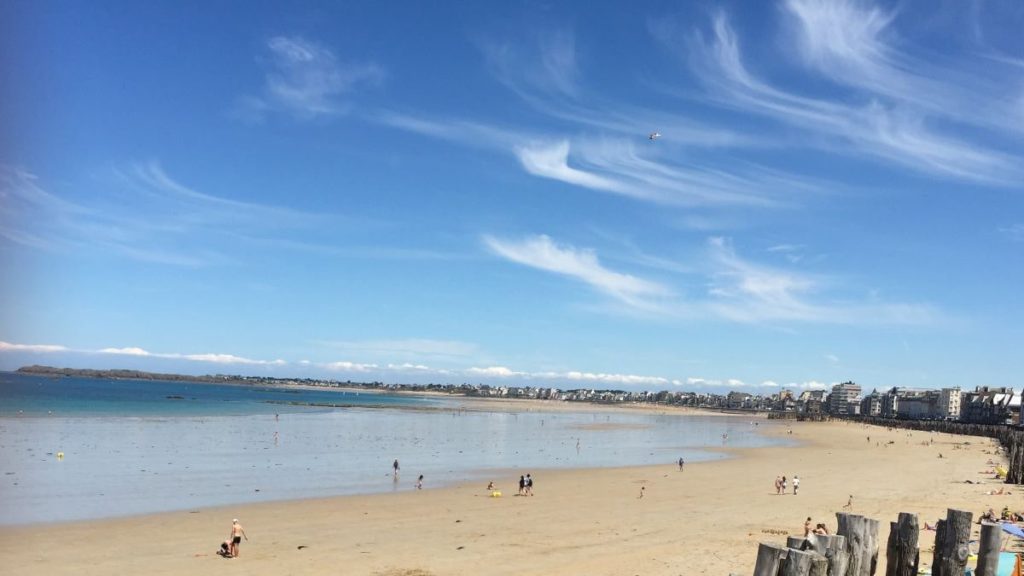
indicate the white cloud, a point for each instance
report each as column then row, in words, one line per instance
column 894, row 131
column 306, row 80
column 832, row 358
column 494, row 371
column 1014, row 232
column 542, row 253
column 40, row 348
column 544, row 66
column 345, row 366
column 130, row 351
column 747, row 292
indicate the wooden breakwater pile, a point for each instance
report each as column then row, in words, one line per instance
column 1011, row 438
column 853, row 550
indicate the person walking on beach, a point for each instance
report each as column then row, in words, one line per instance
column 396, row 468
column 522, row 485
column 783, row 486
column 681, row 462
column 419, row 482
column 529, row 485
column 796, row 484
column 778, row 485
column 237, row 533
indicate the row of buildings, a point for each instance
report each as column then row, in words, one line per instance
column 983, row 405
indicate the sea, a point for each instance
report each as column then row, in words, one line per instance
column 89, row 448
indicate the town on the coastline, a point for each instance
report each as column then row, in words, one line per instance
column 984, row 405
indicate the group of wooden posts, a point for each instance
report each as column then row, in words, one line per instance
column 853, row 550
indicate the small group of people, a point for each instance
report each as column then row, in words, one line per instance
column 780, row 485
column 396, row 468
column 229, row 548
column 526, row 485
column 820, row 528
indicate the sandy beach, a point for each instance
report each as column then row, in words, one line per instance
column 706, row 519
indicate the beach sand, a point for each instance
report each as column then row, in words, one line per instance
column 706, row 519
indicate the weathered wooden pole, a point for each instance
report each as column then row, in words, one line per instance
column 861, row 542
column 836, row 553
column 797, row 563
column 797, row 542
column 902, row 553
column 951, row 538
column 769, row 556
column 833, row 548
column 988, row 549
column 819, row 566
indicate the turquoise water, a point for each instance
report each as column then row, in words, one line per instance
column 128, row 449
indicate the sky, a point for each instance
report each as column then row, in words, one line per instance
column 469, row 192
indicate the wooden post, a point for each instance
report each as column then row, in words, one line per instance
column 951, row 538
column 819, row 566
column 836, row 554
column 988, row 549
column 833, row 548
column 797, row 543
column 902, row 552
column 797, row 563
column 861, row 542
column 769, row 556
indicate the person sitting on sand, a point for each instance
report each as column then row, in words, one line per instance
column 237, row 532
column 821, row 529
column 989, row 516
column 490, row 486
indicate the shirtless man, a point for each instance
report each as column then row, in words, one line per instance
column 237, row 533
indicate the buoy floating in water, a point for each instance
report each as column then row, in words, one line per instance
column 60, row 455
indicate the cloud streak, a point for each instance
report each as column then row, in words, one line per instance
column 305, row 80
column 542, row 253
column 902, row 132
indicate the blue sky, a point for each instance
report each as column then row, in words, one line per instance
column 467, row 191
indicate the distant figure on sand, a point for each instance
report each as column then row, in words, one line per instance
column 807, row 527
column 681, row 462
column 778, row 485
column 642, row 488
column 395, row 467
column 796, row 484
column 849, row 503
column 490, row 485
column 783, row 486
column 522, row 485
column 821, row 529
column 237, row 532
column 419, row 482
column 529, row 485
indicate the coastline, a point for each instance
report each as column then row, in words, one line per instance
column 706, row 519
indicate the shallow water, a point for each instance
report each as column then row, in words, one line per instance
column 143, row 461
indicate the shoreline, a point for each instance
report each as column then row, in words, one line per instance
column 706, row 519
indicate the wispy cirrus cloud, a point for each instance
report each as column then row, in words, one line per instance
column 547, row 65
column 739, row 290
column 542, row 253
column 1014, row 232
column 744, row 291
column 902, row 130
column 306, row 81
